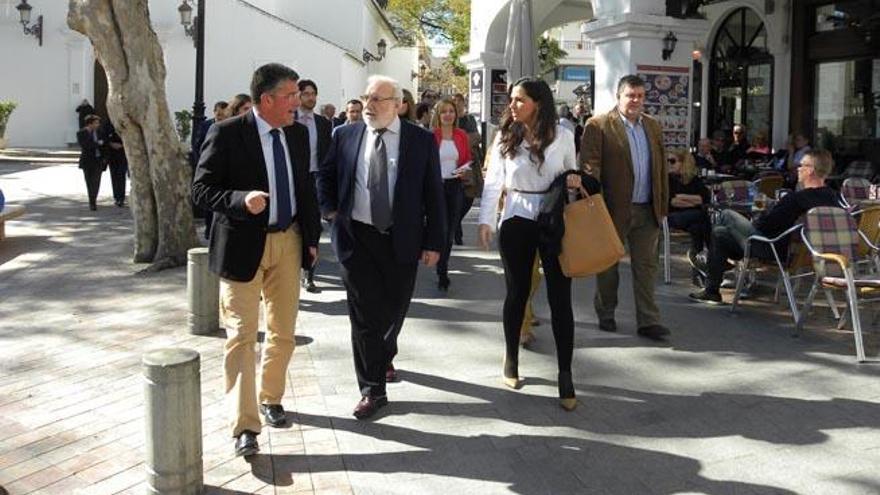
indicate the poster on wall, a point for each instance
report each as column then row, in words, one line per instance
column 499, row 95
column 667, row 99
column 475, row 100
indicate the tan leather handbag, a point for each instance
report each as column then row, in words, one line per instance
column 590, row 244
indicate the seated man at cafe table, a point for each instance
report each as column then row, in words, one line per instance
column 731, row 232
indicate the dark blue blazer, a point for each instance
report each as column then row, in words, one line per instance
column 419, row 209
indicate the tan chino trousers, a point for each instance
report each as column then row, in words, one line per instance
column 277, row 281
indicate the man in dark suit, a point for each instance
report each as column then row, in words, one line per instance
column 91, row 161
column 380, row 186
column 254, row 175
column 319, row 141
column 114, row 152
column 624, row 150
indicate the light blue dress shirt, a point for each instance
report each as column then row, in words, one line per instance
column 641, row 159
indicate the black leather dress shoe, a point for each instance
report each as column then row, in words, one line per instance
column 246, row 444
column 653, row 332
column 391, row 374
column 311, row 287
column 274, row 414
column 607, row 325
column 368, row 406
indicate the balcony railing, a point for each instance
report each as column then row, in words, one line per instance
column 577, row 45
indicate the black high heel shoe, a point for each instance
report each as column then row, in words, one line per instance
column 567, row 398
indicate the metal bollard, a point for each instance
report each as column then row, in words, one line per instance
column 203, row 292
column 172, row 399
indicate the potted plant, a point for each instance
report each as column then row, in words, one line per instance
column 6, row 108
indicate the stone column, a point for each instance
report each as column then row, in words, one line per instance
column 203, row 293
column 173, row 412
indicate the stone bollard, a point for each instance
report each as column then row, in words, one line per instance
column 173, row 412
column 203, row 292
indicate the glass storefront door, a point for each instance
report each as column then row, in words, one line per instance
column 741, row 76
column 846, row 99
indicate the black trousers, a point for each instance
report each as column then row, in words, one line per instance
column 92, row 176
column 310, row 273
column 518, row 242
column 696, row 222
column 465, row 208
column 454, row 196
column 379, row 290
column 117, row 179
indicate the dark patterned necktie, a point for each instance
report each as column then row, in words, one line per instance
column 380, row 202
column 282, row 183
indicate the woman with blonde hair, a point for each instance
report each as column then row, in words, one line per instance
column 688, row 198
column 455, row 161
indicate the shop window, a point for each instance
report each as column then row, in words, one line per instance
column 847, row 106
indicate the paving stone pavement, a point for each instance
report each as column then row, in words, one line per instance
column 730, row 404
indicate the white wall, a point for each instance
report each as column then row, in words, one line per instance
column 240, row 35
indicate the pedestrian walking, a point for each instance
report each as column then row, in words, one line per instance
column 530, row 151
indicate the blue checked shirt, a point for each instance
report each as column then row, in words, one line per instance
column 641, row 159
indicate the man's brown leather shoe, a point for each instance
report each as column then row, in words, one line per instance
column 368, row 406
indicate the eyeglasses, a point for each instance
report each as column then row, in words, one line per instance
column 367, row 99
column 672, row 160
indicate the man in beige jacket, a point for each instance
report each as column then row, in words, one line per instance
column 624, row 150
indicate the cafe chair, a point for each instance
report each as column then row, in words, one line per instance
column 833, row 239
column 855, row 189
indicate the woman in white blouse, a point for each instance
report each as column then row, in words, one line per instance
column 455, row 160
column 530, row 150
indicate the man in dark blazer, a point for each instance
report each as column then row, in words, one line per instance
column 91, row 161
column 380, row 186
column 253, row 174
column 114, row 152
column 319, row 141
column 624, row 150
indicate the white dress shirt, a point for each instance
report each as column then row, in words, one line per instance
column 307, row 119
column 361, row 209
column 448, row 158
column 263, row 129
column 520, row 174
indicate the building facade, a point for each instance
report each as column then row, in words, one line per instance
column 323, row 40
column 777, row 66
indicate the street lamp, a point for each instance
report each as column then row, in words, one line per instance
column 195, row 28
column 381, row 48
column 669, row 42
column 24, row 13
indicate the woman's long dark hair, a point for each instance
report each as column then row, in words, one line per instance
column 546, row 120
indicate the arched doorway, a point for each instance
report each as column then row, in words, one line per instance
column 741, row 76
column 100, row 97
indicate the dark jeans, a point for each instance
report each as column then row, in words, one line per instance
column 518, row 242
column 454, row 197
column 695, row 221
column 729, row 238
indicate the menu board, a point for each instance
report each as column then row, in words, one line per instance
column 499, row 95
column 667, row 99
